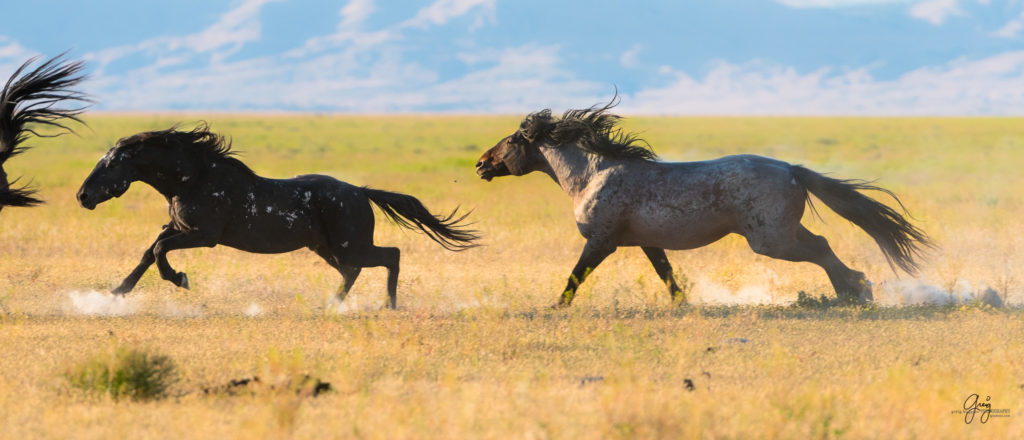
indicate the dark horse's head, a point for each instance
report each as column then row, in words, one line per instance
column 592, row 129
column 163, row 159
column 111, row 177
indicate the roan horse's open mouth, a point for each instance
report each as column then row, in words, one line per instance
column 488, row 171
column 486, row 174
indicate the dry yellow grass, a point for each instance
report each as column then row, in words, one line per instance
column 473, row 350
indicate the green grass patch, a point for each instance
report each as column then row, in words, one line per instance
column 137, row 374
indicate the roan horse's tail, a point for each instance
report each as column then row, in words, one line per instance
column 408, row 212
column 30, row 99
column 902, row 243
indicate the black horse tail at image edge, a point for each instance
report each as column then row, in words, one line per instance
column 903, row 244
column 28, row 99
column 31, row 99
column 18, row 197
column 409, row 212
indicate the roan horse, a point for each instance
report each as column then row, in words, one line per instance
column 623, row 196
column 213, row 198
column 30, row 99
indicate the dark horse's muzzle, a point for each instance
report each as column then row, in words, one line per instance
column 90, row 197
column 86, row 200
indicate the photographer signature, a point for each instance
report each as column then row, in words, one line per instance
column 972, row 407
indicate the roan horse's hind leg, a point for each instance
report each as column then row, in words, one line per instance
column 664, row 269
column 850, row 285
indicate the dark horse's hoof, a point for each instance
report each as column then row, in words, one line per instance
column 866, row 295
column 121, row 290
column 182, row 280
column 860, row 288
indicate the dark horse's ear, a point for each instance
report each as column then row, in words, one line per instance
column 535, row 125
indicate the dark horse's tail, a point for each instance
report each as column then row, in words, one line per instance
column 902, row 243
column 18, row 197
column 30, row 99
column 408, row 212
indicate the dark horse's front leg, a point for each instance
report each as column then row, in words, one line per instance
column 147, row 260
column 594, row 253
column 183, row 240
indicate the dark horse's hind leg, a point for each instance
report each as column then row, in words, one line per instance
column 850, row 285
column 593, row 254
column 664, row 269
column 147, row 260
column 373, row 257
column 348, row 273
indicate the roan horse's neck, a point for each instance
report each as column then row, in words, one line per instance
column 571, row 167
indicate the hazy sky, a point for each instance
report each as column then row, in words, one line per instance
column 877, row 57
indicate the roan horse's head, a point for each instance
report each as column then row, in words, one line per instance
column 519, row 153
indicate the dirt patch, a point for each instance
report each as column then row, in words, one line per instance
column 305, row 385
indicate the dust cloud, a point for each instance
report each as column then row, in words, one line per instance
column 254, row 310
column 94, row 303
column 894, row 292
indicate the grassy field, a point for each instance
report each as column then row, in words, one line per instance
column 473, row 351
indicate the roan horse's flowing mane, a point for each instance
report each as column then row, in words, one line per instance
column 199, row 140
column 592, row 129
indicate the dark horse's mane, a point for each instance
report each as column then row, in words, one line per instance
column 593, row 129
column 199, row 141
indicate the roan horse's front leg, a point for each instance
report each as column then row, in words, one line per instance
column 664, row 269
column 184, row 240
column 147, row 260
column 593, row 254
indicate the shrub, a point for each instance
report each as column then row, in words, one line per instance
column 122, row 372
column 803, row 300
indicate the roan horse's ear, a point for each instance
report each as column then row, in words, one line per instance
column 535, row 125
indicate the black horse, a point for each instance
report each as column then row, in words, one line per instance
column 30, row 99
column 213, row 198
